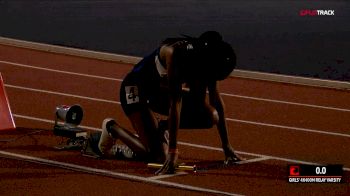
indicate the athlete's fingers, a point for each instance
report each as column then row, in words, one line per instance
column 170, row 163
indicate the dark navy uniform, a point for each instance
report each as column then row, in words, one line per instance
column 142, row 87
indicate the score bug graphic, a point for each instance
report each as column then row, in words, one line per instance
column 294, row 170
column 315, row 173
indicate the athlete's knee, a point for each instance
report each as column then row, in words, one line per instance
column 213, row 114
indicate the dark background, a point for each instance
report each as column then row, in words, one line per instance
column 268, row 36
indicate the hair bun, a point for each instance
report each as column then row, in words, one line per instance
column 210, row 36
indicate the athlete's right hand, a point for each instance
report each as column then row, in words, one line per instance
column 230, row 156
column 169, row 164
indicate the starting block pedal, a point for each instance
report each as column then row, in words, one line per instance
column 69, row 132
column 71, row 144
column 76, row 137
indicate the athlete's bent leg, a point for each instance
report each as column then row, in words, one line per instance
column 106, row 141
column 146, row 126
column 132, row 141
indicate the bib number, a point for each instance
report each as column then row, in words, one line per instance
column 132, row 94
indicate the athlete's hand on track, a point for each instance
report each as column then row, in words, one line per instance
column 170, row 164
column 230, row 156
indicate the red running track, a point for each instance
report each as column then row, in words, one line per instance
column 271, row 124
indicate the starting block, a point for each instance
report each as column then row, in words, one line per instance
column 6, row 118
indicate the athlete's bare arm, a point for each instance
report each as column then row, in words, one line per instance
column 216, row 101
column 167, row 53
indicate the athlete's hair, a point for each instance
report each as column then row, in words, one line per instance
column 210, row 37
column 225, row 61
column 211, row 57
column 172, row 40
column 218, row 57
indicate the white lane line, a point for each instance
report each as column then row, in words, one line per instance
column 158, row 177
column 224, row 94
column 228, row 119
column 286, row 102
column 52, row 121
column 263, row 158
column 288, row 127
column 112, row 174
column 254, row 154
column 61, row 94
column 189, row 144
column 59, row 71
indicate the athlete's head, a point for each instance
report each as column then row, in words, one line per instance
column 209, row 37
column 218, row 57
column 224, row 61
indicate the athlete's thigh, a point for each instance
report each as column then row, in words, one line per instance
column 195, row 114
column 131, row 98
column 159, row 101
column 136, row 107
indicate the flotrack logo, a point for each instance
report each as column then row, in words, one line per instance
column 316, row 12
